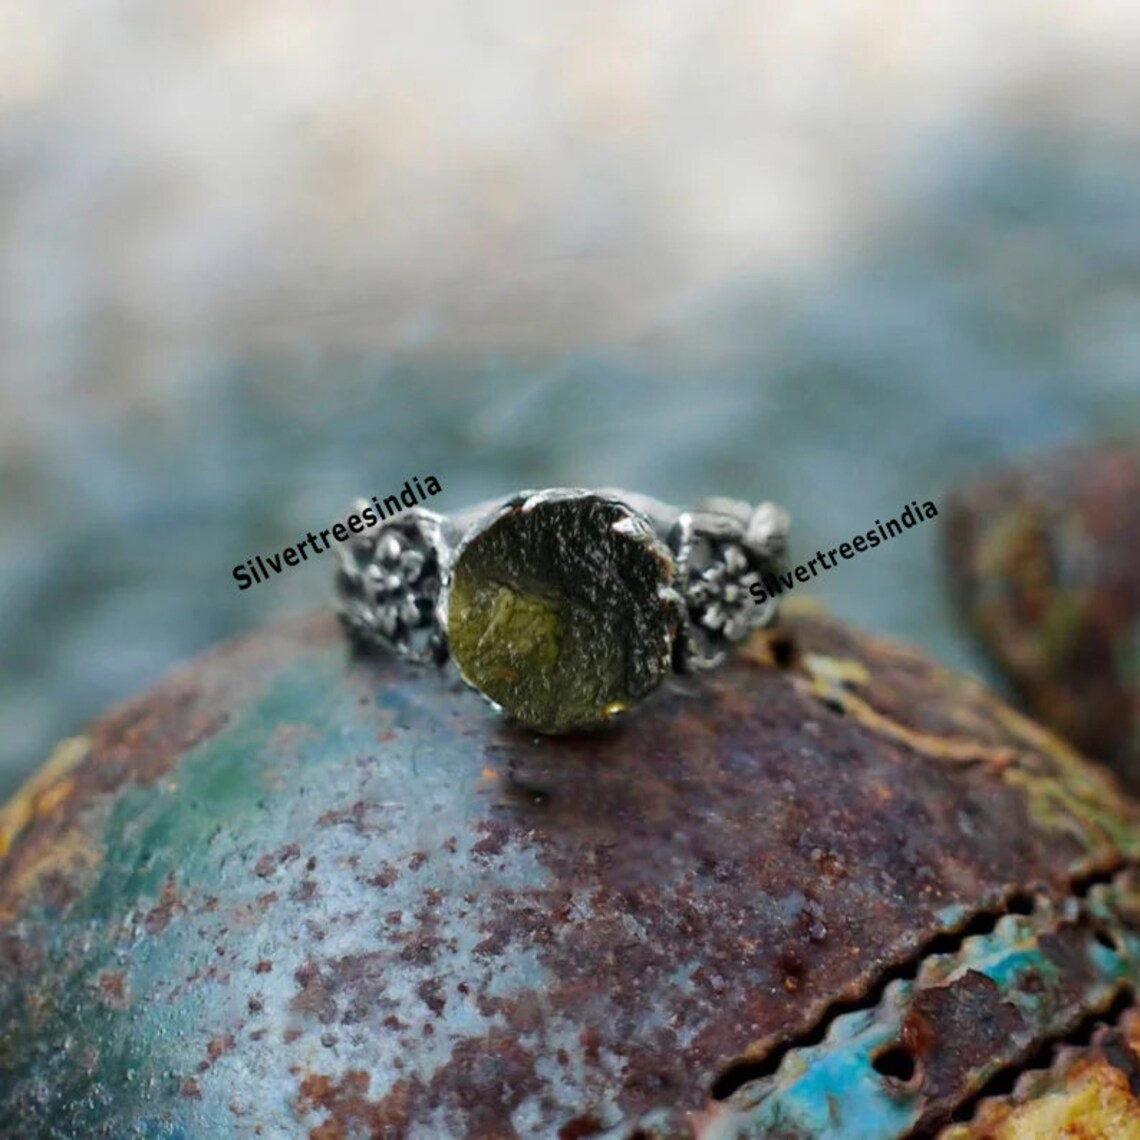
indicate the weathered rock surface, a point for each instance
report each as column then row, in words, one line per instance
column 1045, row 562
column 292, row 893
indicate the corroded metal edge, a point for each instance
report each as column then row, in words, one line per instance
column 965, row 1017
column 1091, row 1092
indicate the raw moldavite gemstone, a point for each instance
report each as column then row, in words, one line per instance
column 561, row 609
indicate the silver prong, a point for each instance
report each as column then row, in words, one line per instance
column 409, row 611
column 411, row 563
column 713, row 617
column 388, row 548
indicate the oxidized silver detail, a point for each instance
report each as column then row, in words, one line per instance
column 723, row 548
column 389, row 582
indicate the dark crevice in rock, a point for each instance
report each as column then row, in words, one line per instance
column 784, row 651
column 897, row 1062
column 1081, row 885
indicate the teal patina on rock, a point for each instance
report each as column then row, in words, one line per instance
column 292, row 893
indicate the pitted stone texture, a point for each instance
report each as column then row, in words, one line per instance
column 406, row 915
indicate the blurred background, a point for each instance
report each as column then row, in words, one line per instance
column 260, row 256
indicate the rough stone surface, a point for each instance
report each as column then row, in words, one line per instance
column 290, row 892
column 562, row 611
column 1088, row 1093
column 1045, row 562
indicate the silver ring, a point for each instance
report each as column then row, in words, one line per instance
column 563, row 607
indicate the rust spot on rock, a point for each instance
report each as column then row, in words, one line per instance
column 955, row 1029
column 219, row 1046
column 581, row 1127
column 113, row 987
column 483, row 1082
column 158, row 917
column 493, row 841
column 349, row 1110
column 1067, row 949
column 316, row 995
column 431, row 994
column 268, row 863
column 357, row 818
column 305, row 891
column 383, row 878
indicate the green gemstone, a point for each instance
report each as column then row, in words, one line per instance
column 563, row 613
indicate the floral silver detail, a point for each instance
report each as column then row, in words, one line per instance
column 723, row 548
column 389, row 582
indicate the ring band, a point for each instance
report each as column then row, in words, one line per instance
column 563, row 607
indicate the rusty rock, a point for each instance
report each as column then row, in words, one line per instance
column 1043, row 561
column 338, row 897
column 1089, row 1093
